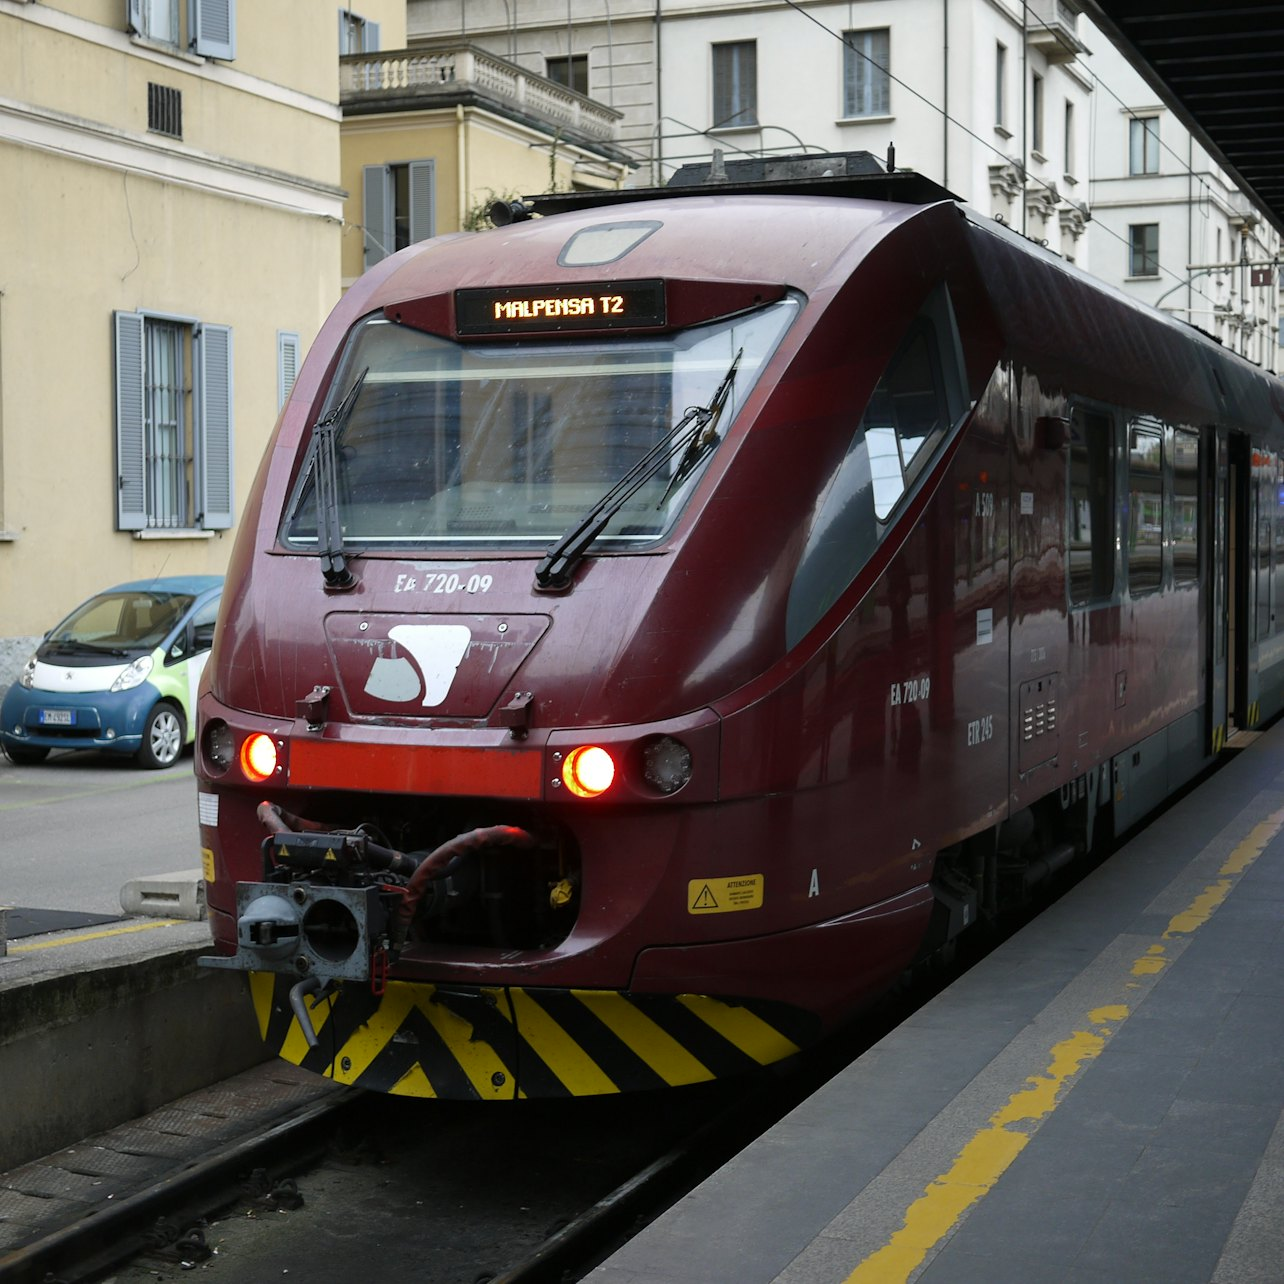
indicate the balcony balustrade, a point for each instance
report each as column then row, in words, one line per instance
column 397, row 75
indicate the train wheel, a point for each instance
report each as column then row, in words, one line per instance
column 162, row 737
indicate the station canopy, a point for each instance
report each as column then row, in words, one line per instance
column 1220, row 69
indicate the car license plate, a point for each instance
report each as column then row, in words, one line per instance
column 57, row 717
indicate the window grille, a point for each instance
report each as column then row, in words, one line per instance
column 165, row 110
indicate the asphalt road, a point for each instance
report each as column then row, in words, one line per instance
column 75, row 829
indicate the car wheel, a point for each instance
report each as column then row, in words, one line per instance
column 162, row 737
column 25, row 755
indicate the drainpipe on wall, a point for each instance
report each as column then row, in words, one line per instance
column 945, row 95
column 657, row 172
column 1025, row 89
column 461, row 163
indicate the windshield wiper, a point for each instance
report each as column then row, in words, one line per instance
column 325, row 473
column 687, row 436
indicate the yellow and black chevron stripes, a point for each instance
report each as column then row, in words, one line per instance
column 497, row 1043
column 1254, row 714
column 1219, row 738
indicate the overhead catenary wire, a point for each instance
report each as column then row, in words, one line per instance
column 971, row 133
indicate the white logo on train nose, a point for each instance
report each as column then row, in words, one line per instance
column 437, row 649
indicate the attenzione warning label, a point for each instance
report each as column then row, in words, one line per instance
column 724, row 895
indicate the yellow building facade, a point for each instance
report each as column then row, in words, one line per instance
column 432, row 135
column 171, row 225
column 188, row 186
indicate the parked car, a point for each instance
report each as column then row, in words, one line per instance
column 119, row 673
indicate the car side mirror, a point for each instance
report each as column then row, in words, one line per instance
column 203, row 637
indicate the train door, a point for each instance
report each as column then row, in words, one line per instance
column 1232, row 617
column 1216, row 605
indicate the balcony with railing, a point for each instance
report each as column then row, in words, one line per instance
column 1052, row 27
column 411, row 79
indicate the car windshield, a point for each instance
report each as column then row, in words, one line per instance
column 512, row 443
column 126, row 620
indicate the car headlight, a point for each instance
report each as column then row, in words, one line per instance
column 28, row 676
column 135, row 674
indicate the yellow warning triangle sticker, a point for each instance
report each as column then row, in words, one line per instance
column 705, row 900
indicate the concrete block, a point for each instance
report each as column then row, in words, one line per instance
column 179, row 895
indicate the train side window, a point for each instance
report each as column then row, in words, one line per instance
column 1145, row 506
column 1277, row 508
column 1264, row 496
column 1091, row 537
column 1185, row 531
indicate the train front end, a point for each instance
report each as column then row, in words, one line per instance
column 471, row 819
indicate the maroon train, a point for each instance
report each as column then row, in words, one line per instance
column 658, row 623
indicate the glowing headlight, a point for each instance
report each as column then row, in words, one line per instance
column 28, row 678
column 134, row 675
column 588, row 771
column 258, row 757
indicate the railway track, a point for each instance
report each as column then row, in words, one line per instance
column 350, row 1184
column 440, row 1192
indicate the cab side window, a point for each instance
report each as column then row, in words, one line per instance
column 915, row 402
column 920, row 396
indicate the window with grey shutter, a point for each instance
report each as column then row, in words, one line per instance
column 377, row 213
column 213, row 393
column 357, row 34
column 866, row 83
column 131, row 446
column 423, row 200
column 287, row 364
column 735, row 84
column 213, row 28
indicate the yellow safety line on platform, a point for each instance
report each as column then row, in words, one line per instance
column 990, row 1151
column 95, row 936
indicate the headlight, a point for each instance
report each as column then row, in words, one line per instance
column 28, row 678
column 666, row 764
column 134, row 675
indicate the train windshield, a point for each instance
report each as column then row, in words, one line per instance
column 511, row 444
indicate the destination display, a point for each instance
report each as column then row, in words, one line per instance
column 603, row 305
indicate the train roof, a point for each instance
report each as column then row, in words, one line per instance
column 853, row 175
column 806, row 222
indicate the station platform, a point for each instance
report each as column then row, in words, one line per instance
column 1098, row 1100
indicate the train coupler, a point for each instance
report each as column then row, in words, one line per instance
column 313, row 930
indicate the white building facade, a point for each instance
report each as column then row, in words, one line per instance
column 1168, row 225
column 987, row 97
column 1025, row 110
